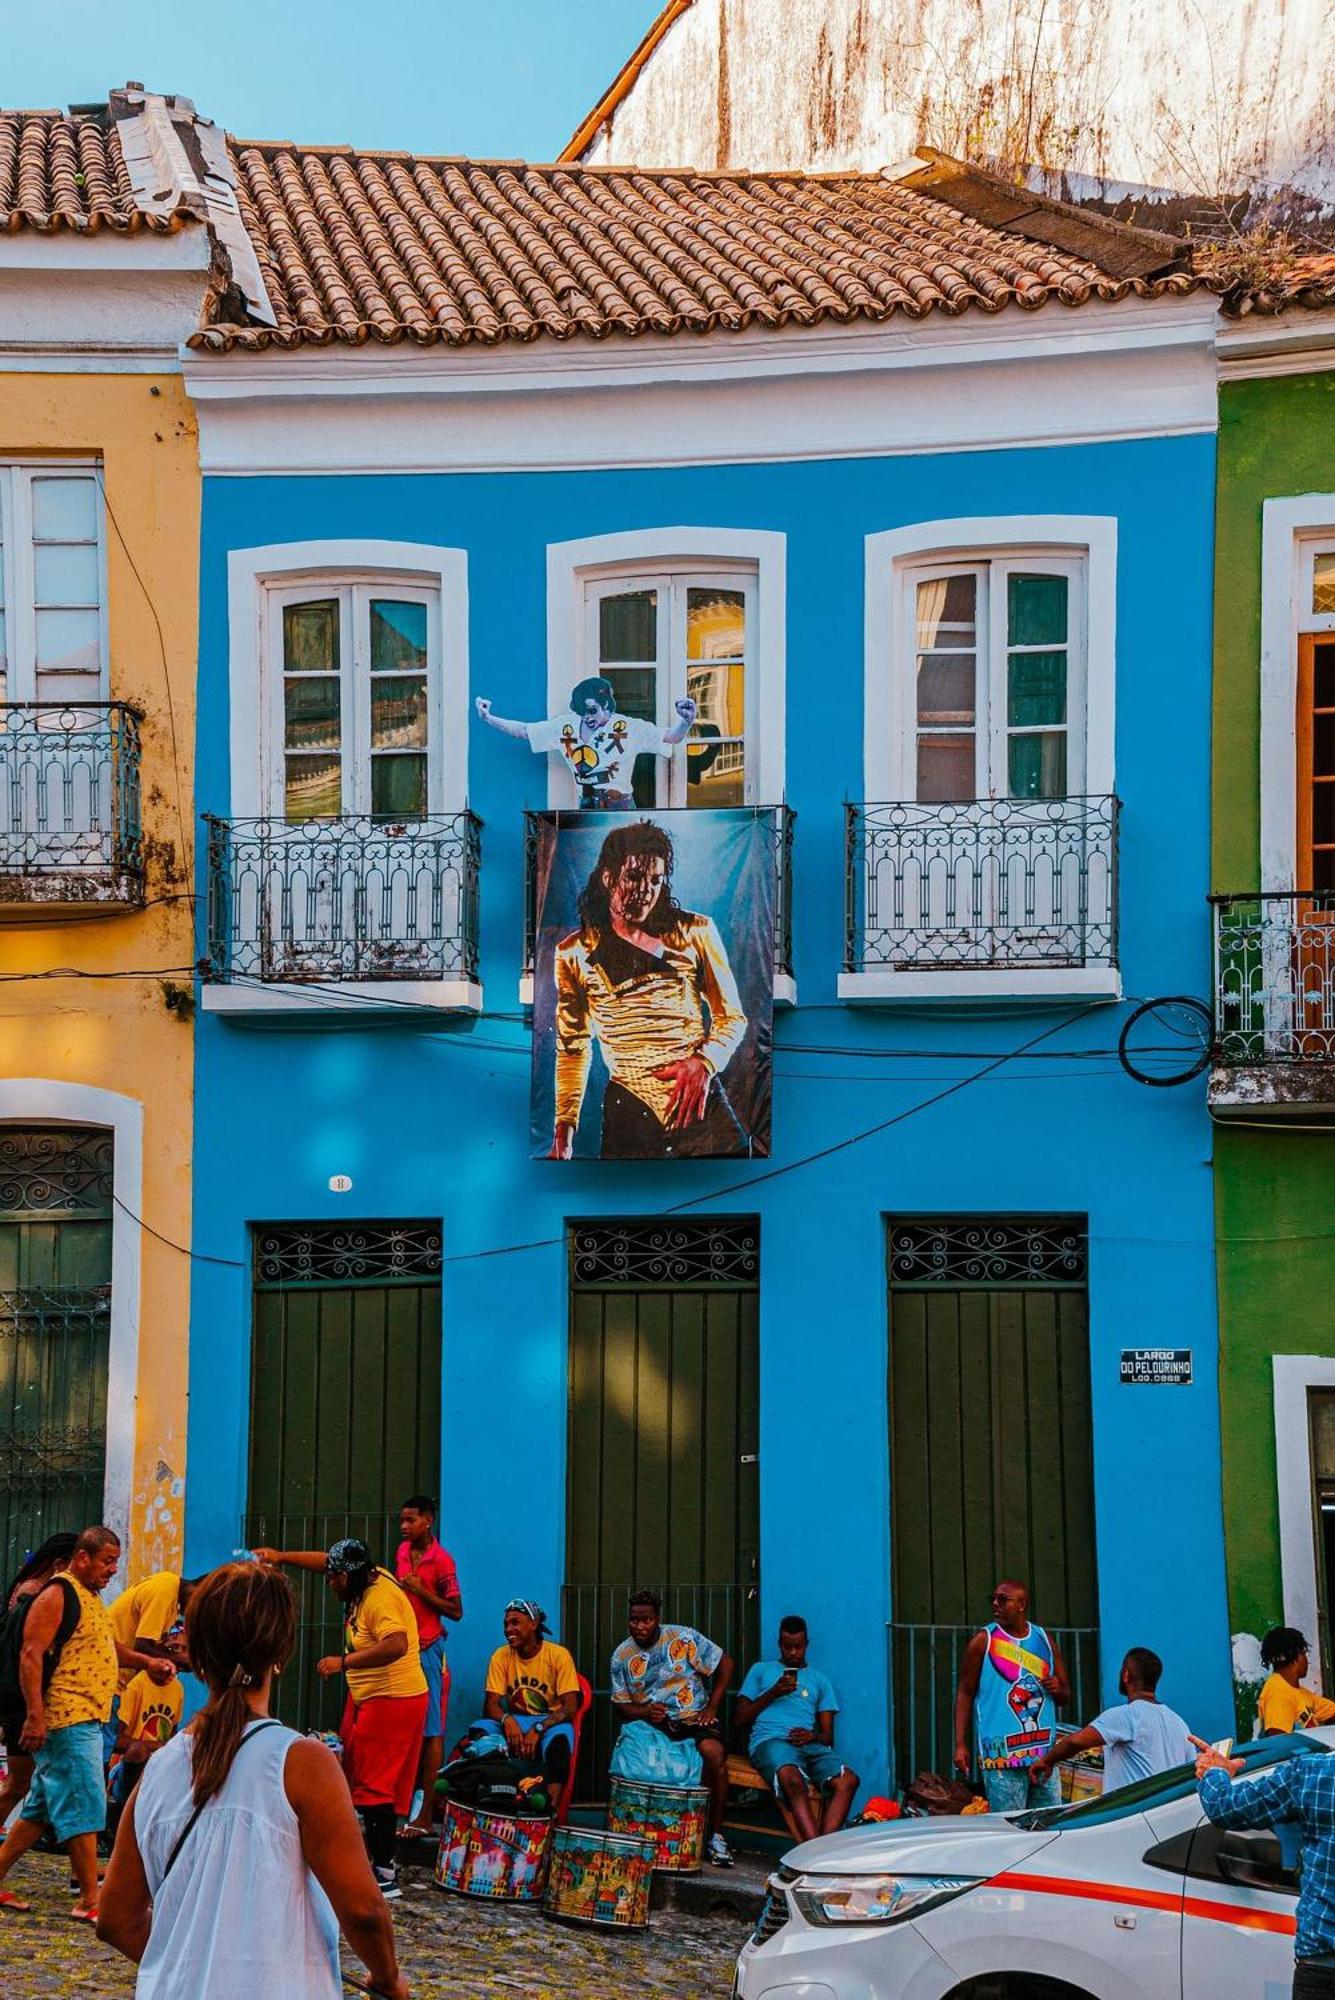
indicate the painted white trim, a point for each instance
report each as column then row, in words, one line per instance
column 1294, row 1375
column 1285, row 524
column 657, row 401
column 187, row 249
column 249, row 571
column 1043, row 983
column 886, row 721
column 1301, row 342
column 569, row 564
column 42, row 1100
column 352, row 996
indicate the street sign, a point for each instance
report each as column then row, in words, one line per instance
column 1157, row 1367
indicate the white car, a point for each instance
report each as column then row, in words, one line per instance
column 1135, row 1896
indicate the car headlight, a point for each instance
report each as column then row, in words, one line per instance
column 874, row 1899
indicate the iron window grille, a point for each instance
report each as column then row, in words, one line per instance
column 71, row 829
column 989, row 1251
column 56, row 1170
column 652, row 1252
column 1274, row 977
column 345, row 1253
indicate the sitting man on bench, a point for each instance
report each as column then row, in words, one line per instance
column 532, row 1697
column 789, row 1708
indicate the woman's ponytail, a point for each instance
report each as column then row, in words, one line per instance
column 240, row 1622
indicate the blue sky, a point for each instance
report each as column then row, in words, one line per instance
column 491, row 78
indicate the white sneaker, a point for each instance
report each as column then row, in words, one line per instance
column 718, row 1853
column 387, row 1881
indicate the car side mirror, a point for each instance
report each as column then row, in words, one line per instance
column 1253, row 1861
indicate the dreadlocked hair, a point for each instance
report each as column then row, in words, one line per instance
column 240, row 1622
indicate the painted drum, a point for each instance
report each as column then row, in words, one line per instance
column 674, row 1817
column 492, row 1855
column 599, row 1878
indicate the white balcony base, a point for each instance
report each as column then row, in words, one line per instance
column 336, row 997
column 1274, row 1093
column 1022, row 984
column 785, row 989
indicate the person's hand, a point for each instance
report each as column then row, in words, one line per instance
column 530, row 1743
column 1040, row 1772
column 137, row 1753
column 1210, row 1760
column 514, row 1736
column 801, row 1737
column 686, row 709
column 160, row 1671
column 962, row 1757
column 32, row 1736
column 563, row 1143
column 656, row 1712
column 690, row 1079
column 707, row 1717
column 411, row 1585
column 787, row 1682
column 1050, row 1684
column 397, row 1989
column 269, row 1556
column 329, row 1666
column 483, row 707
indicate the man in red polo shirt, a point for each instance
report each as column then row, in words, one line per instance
column 426, row 1572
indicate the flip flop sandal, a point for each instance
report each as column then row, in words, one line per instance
column 82, row 1915
column 9, row 1901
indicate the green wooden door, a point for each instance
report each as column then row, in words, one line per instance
column 991, row 1455
column 663, row 1472
column 55, row 1319
column 345, row 1412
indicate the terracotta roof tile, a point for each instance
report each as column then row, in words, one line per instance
column 357, row 247
column 66, row 172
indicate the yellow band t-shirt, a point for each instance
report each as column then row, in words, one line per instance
column 84, row 1681
column 1288, row 1708
column 384, row 1610
column 151, row 1714
column 147, row 1610
column 532, row 1687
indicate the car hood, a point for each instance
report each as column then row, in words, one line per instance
column 980, row 1844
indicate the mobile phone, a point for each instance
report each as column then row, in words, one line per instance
column 1224, row 1747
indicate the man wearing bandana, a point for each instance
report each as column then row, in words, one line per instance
column 599, row 745
column 533, row 1696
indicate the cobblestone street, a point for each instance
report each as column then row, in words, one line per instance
column 448, row 1946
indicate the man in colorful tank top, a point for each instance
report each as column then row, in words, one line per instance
column 1010, row 1682
column 66, row 1709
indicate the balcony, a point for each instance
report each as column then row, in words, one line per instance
column 71, row 837
column 785, row 823
column 1274, row 1004
column 342, row 915
column 981, row 899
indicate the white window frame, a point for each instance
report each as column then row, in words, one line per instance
column 1294, row 529
column 751, row 559
column 16, row 554
column 1083, row 547
column 353, row 592
column 254, row 576
column 992, row 730
column 1293, row 1376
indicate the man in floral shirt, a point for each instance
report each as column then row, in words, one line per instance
column 674, row 1678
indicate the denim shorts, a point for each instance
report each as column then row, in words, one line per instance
column 1010, row 1791
column 68, row 1792
column 437, row 1686
column 816, row 1761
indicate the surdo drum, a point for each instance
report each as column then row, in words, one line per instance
column 599, row 1878
column 492, row 1855
column 673, row 1817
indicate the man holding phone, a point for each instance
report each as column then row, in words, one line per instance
column 789, row 1708
column 1300, row 1792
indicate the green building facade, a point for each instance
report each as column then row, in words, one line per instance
column 1272, row 1089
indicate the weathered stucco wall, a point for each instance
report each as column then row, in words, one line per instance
column 115, row 1030
column 1202, row 96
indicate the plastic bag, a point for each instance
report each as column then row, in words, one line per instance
column 643, row 1754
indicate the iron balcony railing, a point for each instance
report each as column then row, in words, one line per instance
column 982, row 885
column 70, row 826
column 924, row 1674
column 1274, row 977
column 329, row 900
column 784, row 821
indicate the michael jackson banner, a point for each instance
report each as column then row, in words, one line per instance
column 653, row 987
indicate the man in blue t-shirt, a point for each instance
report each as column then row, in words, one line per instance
column 789, row 1709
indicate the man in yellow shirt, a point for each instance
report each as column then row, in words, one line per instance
column 67, row 1704
column 387, row 1692
column 149, row 1716
column 1285, row 1705
column 533, row 1695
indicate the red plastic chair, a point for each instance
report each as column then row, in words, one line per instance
column 585, row 1704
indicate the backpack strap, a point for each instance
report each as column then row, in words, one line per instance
column 189, row 1826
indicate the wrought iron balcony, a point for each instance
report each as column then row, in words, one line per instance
column 342, row 902
column 784, row 821
column 70, row 828
column 982, row 886
column 1274, row 1001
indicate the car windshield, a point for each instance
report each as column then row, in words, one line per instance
column 1178, row 1783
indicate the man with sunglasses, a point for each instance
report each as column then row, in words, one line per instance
column 599, row 745
column 1011, row 1680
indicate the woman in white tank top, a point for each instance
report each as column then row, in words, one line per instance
column 246, row 1892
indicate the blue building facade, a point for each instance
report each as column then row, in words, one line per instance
column 935, row 1403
